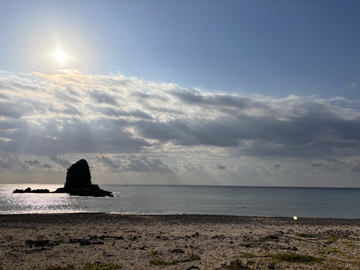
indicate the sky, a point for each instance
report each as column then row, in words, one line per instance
column 246, row 93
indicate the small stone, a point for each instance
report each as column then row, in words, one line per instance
column 271, row 266
column 178, row 250
column 134, row 238
column 193, row 267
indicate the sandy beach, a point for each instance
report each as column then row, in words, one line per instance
column 53, row 241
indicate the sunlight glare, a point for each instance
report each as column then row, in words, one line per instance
column 60, row 56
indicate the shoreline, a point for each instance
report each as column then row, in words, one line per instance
column 131, row 214
column 39, row 241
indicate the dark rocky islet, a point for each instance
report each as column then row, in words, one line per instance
column 78, row 183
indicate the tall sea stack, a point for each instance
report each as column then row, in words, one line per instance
column 78, row 175
column 78, row 182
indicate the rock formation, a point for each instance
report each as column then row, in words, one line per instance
column 29, row 190
column 78, row 175
column 78, row 182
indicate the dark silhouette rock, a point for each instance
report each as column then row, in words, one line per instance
column 29, row 190
column 78, row 182
column 78, row 175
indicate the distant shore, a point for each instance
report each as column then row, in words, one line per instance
column 41, row 241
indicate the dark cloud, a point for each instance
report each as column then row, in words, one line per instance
column 12, row 110
column 187, row 133
column 144, row 164
column 45, row 165
column 8, row 164
column 61, row 161
column 135, row 164
column 11, row 162
column 102, row 97
column 332, row 168
column 71, row 110
column 220, row 167
column 109, row 111
column 277, row 166
column 218, row 100
column 316, row 164
column 34, row 162
column 355, row 166
column 109, row 162
column 3, row 96
column 71, row 136
column 66, row 96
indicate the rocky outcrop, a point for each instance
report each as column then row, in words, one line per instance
column 78, row 182
column 29, row 190
column 78, row 175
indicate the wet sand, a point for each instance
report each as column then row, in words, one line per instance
column 41, row 241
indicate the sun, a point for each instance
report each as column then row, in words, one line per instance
column 60, row 56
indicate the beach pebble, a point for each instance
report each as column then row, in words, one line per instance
column 271, row 266
column 193, row 267
column 178, row 250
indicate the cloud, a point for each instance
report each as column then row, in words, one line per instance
column 102, row 97
column 221, row 167
column 61, row 161
column 12, row 164
column 133, row 125
column 135, row 164
column 15, row 163
column 351, row 86
column 12, row 110
column 316, row 164
column 34, row 162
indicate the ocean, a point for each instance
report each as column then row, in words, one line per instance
column 209, row 200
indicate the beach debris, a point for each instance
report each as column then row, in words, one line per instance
column 102, row 237
column 237, row 264
column 40, row 243
column 84, row 242
column 193, row 267
column 178, row 251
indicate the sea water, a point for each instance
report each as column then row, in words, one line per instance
column 209, row 200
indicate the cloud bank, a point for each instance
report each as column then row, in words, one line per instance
column 128, row 125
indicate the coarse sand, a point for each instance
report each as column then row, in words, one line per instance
column 47, row 241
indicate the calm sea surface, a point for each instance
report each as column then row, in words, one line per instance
column 243, row 201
